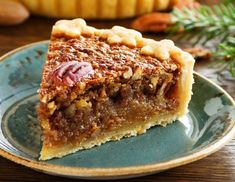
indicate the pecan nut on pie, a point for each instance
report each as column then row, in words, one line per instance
column 105, row 84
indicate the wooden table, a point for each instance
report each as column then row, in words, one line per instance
column 217, row 167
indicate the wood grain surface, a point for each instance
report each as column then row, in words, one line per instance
column 217, row 167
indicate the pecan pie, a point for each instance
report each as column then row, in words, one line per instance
column 96, row 9
column 102, row 85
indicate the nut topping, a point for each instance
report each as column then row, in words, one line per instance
column 83, row 104
column 70, row 73
column 52, row 107
column 137, row 74
column 127, row 74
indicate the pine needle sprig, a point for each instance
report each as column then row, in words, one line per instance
column 208, row 23
column 211, row 22
column 226, row 54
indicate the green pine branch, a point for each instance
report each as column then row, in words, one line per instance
column 226, row 54
column 209, row 23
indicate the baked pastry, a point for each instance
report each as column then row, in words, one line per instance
column 102, row 85
column 96, row 9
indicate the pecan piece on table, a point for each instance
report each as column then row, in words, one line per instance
column 70, row 73
column 153, row 22
column 158, row 21
column 199, row 53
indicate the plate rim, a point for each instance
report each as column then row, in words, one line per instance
column 121, row 171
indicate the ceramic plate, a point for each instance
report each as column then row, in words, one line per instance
column 204, row 130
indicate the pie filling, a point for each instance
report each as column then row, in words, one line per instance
column 121, row 101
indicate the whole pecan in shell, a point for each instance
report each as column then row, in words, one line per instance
column 71, row 72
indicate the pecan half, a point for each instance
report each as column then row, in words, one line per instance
column 70, row 73
column 159, row 21
column 153, row 22
column 199, row 53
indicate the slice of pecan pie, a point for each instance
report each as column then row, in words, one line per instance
column 102, row 85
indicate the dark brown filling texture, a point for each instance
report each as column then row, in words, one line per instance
column 115, row 104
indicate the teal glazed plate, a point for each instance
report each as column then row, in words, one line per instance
column 207, row 127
